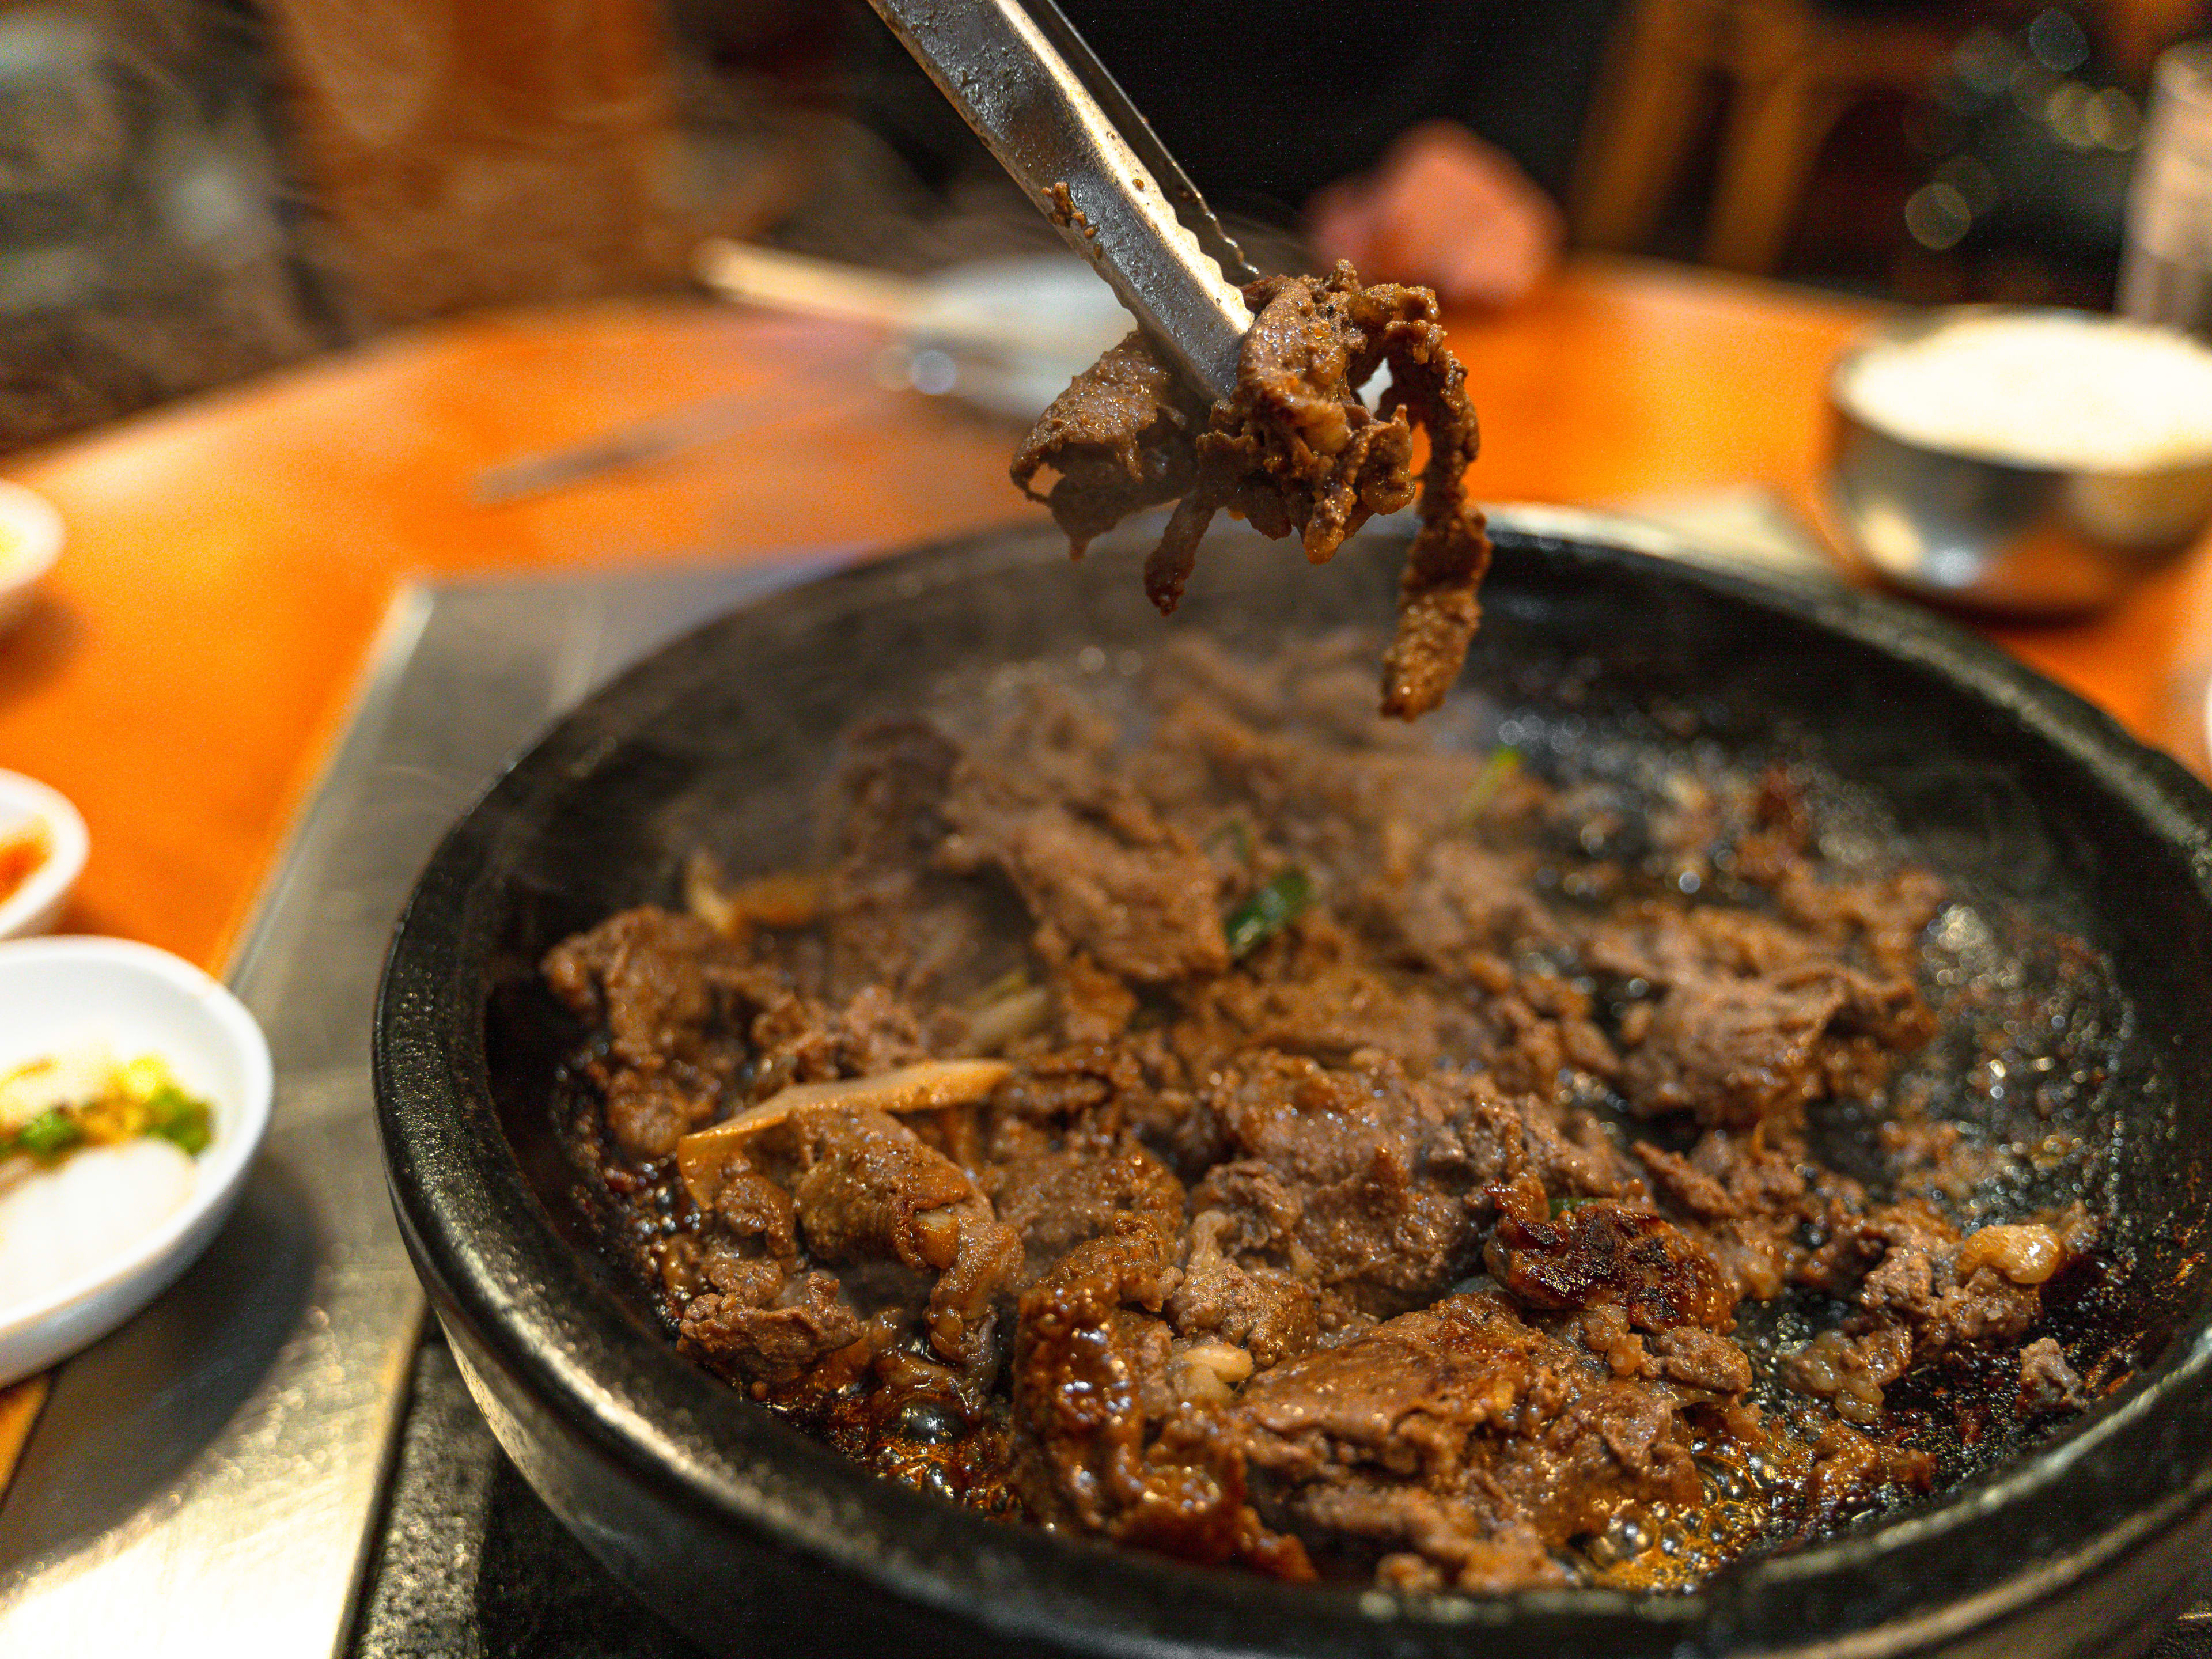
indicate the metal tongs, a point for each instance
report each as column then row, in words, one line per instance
column 1072, row 139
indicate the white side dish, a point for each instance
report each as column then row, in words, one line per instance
column 68, row 1223
column 2055, row 389
column 87, row 1242
column 27, row 805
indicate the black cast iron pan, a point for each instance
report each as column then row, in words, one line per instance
column 756, row 1540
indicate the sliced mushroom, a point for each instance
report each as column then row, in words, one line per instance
column 929, row 1086
column 784, row 900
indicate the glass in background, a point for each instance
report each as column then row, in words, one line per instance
column 2166, row 275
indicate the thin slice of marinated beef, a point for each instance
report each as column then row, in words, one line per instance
column 1462, row 1436
column 1098, row 870
column 1603, row 1252
column 1059, row 1193
column 1100, row 1439
column 867, row 1188
column 1752, row 1019
column 670, row 994
column 892, row 921
column 1266, row 1313
column 1355, row 1181
column 778, row 1337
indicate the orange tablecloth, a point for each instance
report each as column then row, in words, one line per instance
column 229, row 557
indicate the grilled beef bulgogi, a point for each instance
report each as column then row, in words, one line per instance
column 1264, row 1135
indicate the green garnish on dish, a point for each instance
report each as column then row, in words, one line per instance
column 1498, row 769
column 1270, row 908
column 52, row 1107
column 50, row 1135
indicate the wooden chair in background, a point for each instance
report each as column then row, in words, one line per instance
column 470, row 152
column 1789, row 70
column 463, row 153
column 2136, row 30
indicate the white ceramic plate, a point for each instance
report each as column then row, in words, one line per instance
column 1084, row 320
column 60, row 995
column 30, row 542
column 37, row 905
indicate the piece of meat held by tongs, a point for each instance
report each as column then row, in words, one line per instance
column 1207, row 405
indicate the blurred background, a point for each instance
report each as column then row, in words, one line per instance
column 191, row 190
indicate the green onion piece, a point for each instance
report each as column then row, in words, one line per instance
column 1503, row 763
column 1267, row 911
column 179, row 1119
column 50, row 1135
column 1012, row 982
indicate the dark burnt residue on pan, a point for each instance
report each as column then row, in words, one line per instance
column 1181, row 1107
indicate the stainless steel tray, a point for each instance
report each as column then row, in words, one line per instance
column 206, row 1481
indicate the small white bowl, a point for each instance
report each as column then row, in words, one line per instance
column 58, row 995
column 30, row 542
column 36, row 905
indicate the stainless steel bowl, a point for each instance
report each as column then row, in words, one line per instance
column 1992, row 534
